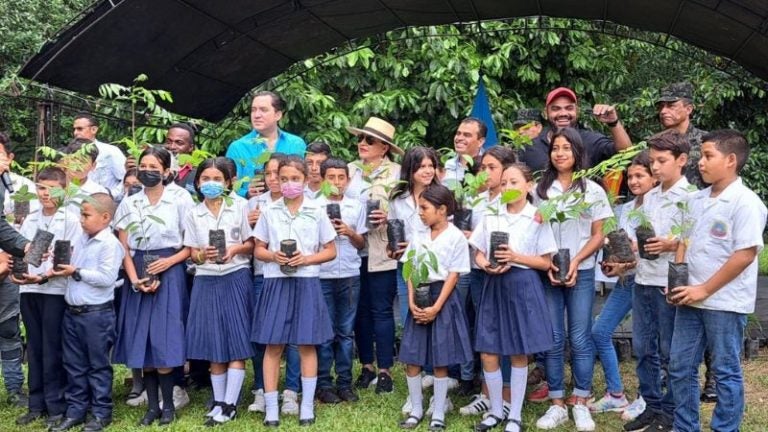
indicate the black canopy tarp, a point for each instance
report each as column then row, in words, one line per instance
column 208, row 54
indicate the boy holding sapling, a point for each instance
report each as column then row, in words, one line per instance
column 726, row 237
column 78, row 161
column 653, row 317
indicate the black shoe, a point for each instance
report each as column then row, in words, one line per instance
column 228, row 412
column 150, row 417
column 348, row 395
column 482, row 427
column 271, row 424
column 366, row 377
column 641, row 422
column 466, row 388
column 307, row 422
column 167, row 416
column 709, row 394
column 661, row 424
column 328, row 396
column 67, row 424
column 97, row 424
column 52, row 421
column 29, row 417
column 384, row 383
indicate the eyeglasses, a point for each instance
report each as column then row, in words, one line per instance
column 367, row 138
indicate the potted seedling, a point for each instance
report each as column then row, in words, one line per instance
column 332, row 209
column 568, row 206
column 289, row 246
column 465, row 190
column 643, row 232
column 138, row 229
column 681, row 228
column 416, row 270
column 500, row 238
column 618, row 248
column 374, row 201
column 21, row 200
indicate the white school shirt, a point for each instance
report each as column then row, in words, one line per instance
column 347, row 261
column 575, row 233
column 233, row 219
column 98, row 260
column 110, row 168
column 170, row 208
column 661, row 208
column 405, row 209
column 261, row 202
column 64, row 225
column 733, row 221
column 310, row 194
column 479, row 210
column 84, row 190
column 310, row 228
column 528, row 234
column 450, row 248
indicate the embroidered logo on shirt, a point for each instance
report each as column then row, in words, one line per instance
column 719, row 229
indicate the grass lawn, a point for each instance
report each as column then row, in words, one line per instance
column 382, row 412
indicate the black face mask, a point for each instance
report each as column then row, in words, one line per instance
column 150, row 178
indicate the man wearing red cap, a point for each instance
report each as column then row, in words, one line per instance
column 562, row 110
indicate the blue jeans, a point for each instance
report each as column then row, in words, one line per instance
column 653, row 322
column 577, row 303
column 292, row 361
column 617, row 306
column 375, row 322
column 341, row 296
column 722, row 333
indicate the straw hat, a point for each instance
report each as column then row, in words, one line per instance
column 379, row 129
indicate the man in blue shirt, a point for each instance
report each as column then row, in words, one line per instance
column 266, row 110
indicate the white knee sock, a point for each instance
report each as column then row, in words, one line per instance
column 417, row 399
column 307, row 398
column 518, row 380
column 441, row 393
column 270, row 400
column 219, row 384
column 495, row 386
column 235, row 378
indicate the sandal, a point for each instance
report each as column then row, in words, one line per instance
column 483, row 427
column 437, row 425
column 514, row 422
column 408, row 424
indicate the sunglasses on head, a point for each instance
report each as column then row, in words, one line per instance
column 368, row 139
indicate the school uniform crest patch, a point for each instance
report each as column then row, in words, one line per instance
column 719, row 229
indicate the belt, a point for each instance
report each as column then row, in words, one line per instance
column 77, row 310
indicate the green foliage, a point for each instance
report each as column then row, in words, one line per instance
column 638, row 216
column 418, row 264
column 23, row 195
column 195, row 158
column 327, row 189
column 762, row 261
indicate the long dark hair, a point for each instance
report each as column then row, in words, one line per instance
column 219, row 163
column 437, row 195
column 579, row 162
column 411, row 163
column 163, row 156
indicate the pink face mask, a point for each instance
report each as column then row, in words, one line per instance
column 291, row 189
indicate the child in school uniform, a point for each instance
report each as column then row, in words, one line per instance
column 153, row 311
column 653, row 318
column 79, row 160
column 291, row 308
column 43, row 305
column 583, row 237
column 726, row 237
column 512, row 318
column 340, row 280
column 437, row 335
column 88, row 326
column 219, row 323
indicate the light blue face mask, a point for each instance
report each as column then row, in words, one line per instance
column 211, row 189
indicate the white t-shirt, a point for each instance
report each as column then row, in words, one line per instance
column 233, row 219
column 528, row 235
column 310, row 228
column 347, row 261
column 733, row 221
column 574, row 234
column 450, row 248
column 661, row 209
column 404, row 208
column 141, row 219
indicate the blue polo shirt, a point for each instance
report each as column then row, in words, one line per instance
column 246, row 150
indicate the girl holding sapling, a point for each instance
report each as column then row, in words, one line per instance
column 150, row 326
column 436, row 331
column 291, row 308
column 582, row 235
column 219, row 324
column 512, row 318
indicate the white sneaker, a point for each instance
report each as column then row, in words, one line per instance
column 290, row 403
column 452, row 383
column 138, row 400
column 608, row 403
column 634, row 409
column 427, row 381
column 180, row 398
column 507, row 408
column 478, row 405
column 583, row 418
column 448, row 405
column 554, row 417
column 407, row 406
column 259, row 404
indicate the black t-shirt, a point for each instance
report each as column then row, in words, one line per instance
column 536, row 156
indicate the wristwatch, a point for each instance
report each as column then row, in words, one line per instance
column 76, row 275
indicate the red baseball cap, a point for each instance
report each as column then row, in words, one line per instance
column 561, row 92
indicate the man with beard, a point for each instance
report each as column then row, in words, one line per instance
column 562, row 110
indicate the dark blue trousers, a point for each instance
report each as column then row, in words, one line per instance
column 88, row 339
column 42, row 315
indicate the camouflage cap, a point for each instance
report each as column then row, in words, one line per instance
column 527, row 115
column 676, row 91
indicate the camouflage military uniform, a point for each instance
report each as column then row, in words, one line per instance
column 692, row 173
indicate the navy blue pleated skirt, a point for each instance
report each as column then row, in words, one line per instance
column 443, row 342
column 512, row 317
column 150, row 327
column 291, row 311
column 219, row 323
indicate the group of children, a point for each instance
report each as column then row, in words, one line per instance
column 288, row 276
